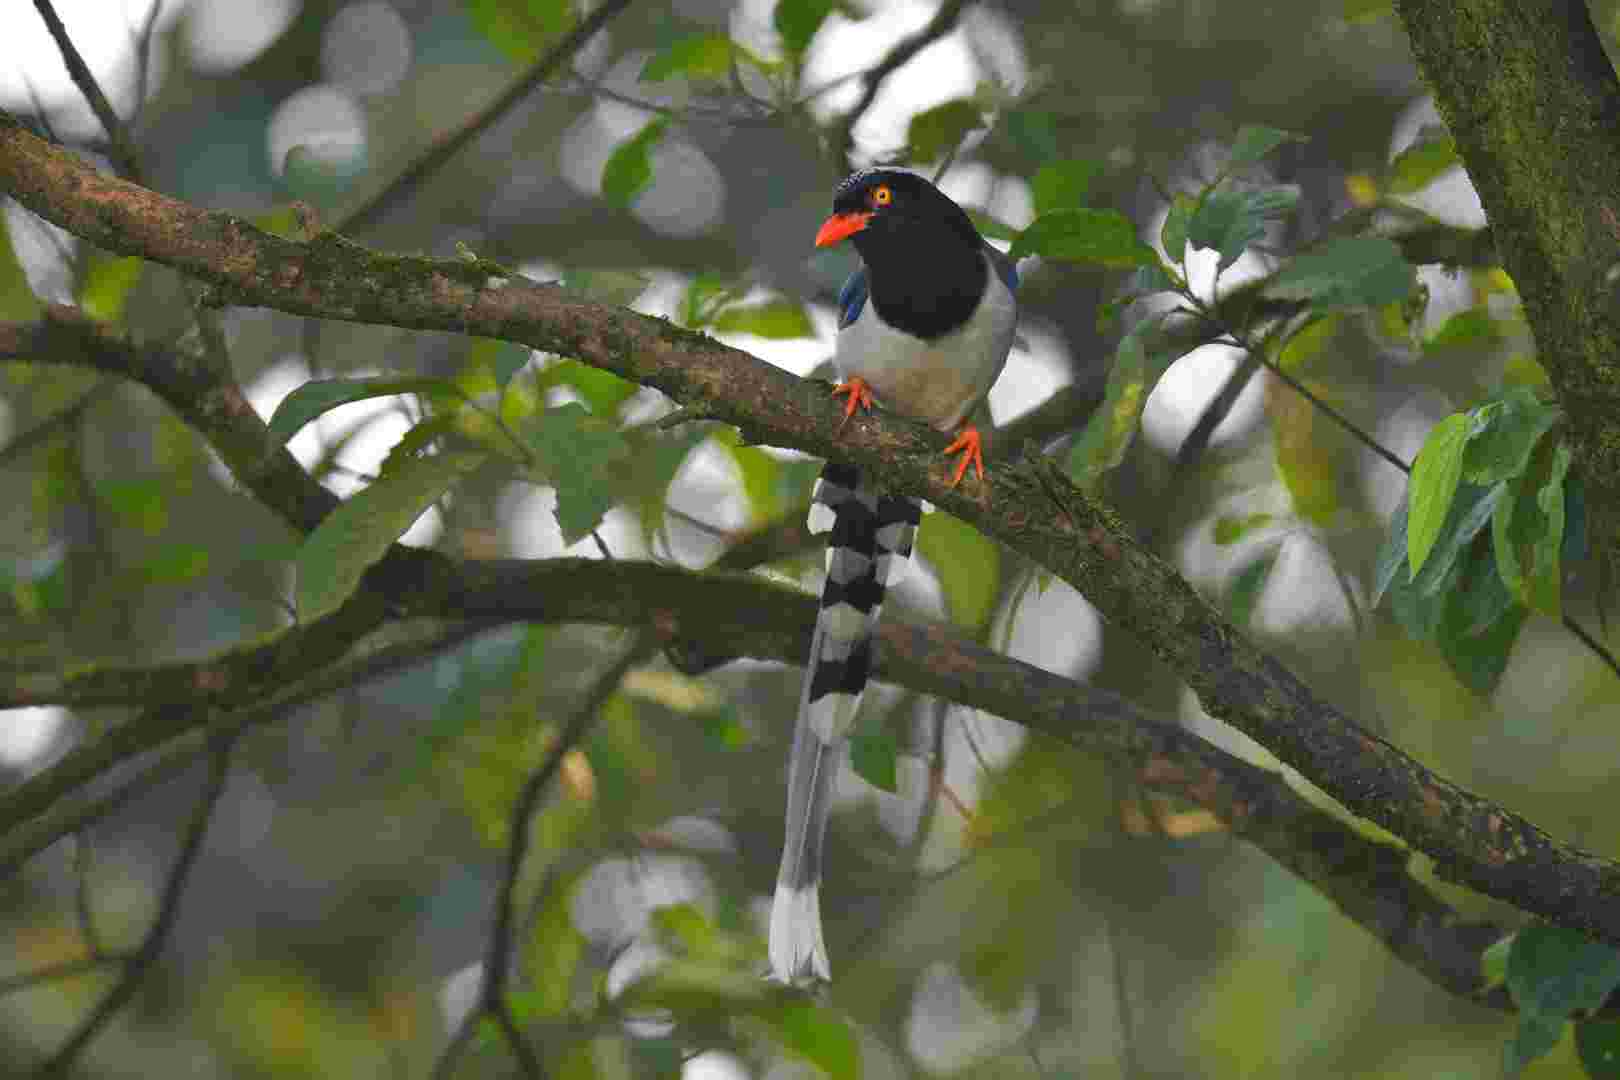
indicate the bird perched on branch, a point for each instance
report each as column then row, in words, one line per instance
column 924, row 328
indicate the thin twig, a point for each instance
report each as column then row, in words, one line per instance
column 49, row 427
column 123, row 151
column 943, row 22
column 447, row 146
column 143, row 62
column 1255, row 354
column 139, row 962
column 491, row 999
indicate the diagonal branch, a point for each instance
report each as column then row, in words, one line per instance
column 451, row 143
column 1031, row 506
column 141, row 961
column 123, row 151
column 842, row 136
column 1369, row 880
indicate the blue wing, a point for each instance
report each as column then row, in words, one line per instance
column 852, row 298
column 1006, row 269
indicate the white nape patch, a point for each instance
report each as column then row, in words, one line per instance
column 896, row 538
column 845, row 566
column 832, row 716
column 797, row 951
column 842, row 621
column 891, row 569
column 821, row 518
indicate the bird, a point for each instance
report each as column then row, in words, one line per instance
column 924, row 328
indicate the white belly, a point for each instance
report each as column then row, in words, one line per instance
column 938, row 382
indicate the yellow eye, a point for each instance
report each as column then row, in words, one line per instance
column 882, row 196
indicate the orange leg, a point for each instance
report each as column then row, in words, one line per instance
column 860, row 395
column 970, row 445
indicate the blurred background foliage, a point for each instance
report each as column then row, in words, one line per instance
column 1039, row 920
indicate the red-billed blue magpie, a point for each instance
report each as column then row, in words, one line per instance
column 925, row 325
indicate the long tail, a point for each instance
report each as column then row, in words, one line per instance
column 868, row 550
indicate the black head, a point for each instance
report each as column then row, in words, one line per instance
column 924, row 261
column 878, row 208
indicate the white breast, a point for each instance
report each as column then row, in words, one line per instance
column 939, row 381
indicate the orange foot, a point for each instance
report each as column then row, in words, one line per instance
column 860, row 395
column 970, row 445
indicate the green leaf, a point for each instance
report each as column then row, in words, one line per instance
column 1255, row 141
column 1356, row 271
column 176, row 563
column 1422, row 163
column 322, row 395
column 1139, row 361
column 1553, row 972
column 1435, row 476
column 705, row 294
column 659, row 457
column 776, row 319
column 554, row 951
column 1391, row 556
column 1229, row 221
column 1494, row 960
column 1229, row 530
column 1307, row 461
column 502, row 359
column 1597, row 1045
column 1108, row 433
column 1063, row 185
column 17, row 300
column 819, row 1036
column 696, row 56
column 1035, row 133
column 1248, row 586
column 1470, row 509
column 107, row 285
column 580, row 455
column 1547, row 574
column 1473, row 327
column 1173, row 234
column 874, row 754
column 1308, row 342
column 629, row 168
column 1504, row 434
column 1100, row 237
column 935, row 132
column 968, row 565
column 1363, row 11
column 992, row 228
column 602, row 391
column 798, row 20
column 1528, row 530
column 1480, row 621
column 356, row 534
column 520, row 29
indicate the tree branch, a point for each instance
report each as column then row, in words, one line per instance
column 123, row 151
column 1031, row 506
column 1531, row 98
column 842, row 137
column 137, row 965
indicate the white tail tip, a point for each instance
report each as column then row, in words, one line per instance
column 797, row 952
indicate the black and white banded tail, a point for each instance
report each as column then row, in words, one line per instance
column 868, row 549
